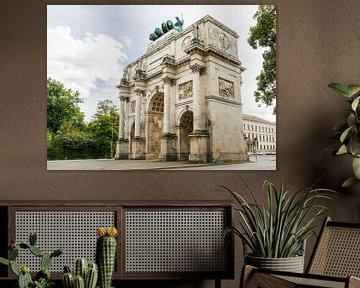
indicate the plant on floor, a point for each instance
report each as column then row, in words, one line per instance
column 280, row 228
column 106, row 254
column 42, row 278
column 84, row 275
column 349, row 132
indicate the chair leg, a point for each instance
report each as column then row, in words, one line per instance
column 251, row 279
column 354, row 282
column 246, row 274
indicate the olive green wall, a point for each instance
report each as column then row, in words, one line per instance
column 318, row 43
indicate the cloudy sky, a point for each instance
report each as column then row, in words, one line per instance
column 88, row 46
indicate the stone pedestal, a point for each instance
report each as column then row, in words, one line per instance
column 168, row 147
column 122, row 149
column 199, row 147
column 138, row 149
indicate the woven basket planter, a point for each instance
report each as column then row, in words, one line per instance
column 291, row 264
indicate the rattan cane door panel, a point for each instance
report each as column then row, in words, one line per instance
column 175, row 241
column 74, row 230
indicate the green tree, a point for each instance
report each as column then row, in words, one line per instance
column 62, row 106
column 263, row 34
column 104, row 128
column 67, row 137
column 70, row 142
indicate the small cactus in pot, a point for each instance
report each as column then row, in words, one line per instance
column 85, row 275
column 106, row 254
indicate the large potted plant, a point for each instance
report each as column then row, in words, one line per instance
column 348, row 132
column 275, row 234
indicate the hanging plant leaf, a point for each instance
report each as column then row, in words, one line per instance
column 349, row 182
column 341, row 127
column 356, row 167
column 342, row 150
column 353, row 89
column 355, row 103
column 340, row 88
column 345, row 134
column 351, row 120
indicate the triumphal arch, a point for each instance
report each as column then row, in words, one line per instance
column 182, row 100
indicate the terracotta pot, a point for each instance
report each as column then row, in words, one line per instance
column 291, row 264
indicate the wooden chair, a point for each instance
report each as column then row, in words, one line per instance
column 335, row 262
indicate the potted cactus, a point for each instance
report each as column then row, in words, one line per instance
column 84, row 275
column 42, row 278
column 106, row 254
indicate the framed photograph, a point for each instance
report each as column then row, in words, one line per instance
column 190, row 87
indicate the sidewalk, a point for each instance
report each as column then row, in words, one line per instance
column 262, row 163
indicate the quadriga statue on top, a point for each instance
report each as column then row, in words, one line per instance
column 166, row 27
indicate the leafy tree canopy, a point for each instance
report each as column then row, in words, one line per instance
column 68, row 136
column 62, row 106
column 105, row 108
column 263, row 34
column 104, row 127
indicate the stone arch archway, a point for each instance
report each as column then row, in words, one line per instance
column 155, row 119
column 186, row 128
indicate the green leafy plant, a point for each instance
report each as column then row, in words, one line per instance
column 42, row 278
column 279, row 229
column 349, row 132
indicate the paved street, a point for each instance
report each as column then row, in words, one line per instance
column 266, row 162
column 261, row 163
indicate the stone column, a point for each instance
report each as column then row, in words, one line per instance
column 122, row 146
column 138, row 143
column 126, row 122
column 167, row 105
column 121, row 118
column 198, row 100
column 137, row 114
column 169, row 139
column 199, row 139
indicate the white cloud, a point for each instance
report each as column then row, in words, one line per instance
column 80, row 62
column 78, row 58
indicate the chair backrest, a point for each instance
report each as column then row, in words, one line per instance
column 337, row 251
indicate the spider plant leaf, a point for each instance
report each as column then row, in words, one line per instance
column 279, row 228
column 249, row 191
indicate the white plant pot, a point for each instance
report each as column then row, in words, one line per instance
column 291, row 264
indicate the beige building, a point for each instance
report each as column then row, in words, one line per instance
column 182, row 100
column 260, row 134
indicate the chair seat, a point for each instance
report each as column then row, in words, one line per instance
column 315, row 282
column 335, row 262
column 267, row 279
